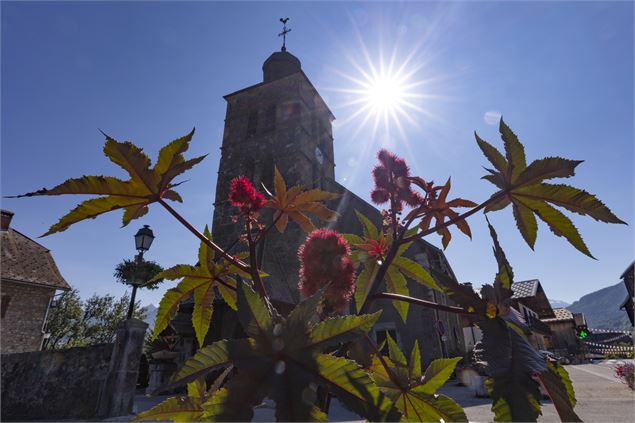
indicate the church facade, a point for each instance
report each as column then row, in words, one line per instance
column 284, row 122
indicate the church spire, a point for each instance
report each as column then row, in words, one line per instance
column 284, row 33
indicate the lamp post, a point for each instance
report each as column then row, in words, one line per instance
column 143, row 240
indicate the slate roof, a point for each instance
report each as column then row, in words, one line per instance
column 531, row 294
column 24, row 260
column 561, row 315
column 525, row 289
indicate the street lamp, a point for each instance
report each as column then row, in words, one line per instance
column 143, row 240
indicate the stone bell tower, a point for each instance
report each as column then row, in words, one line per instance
column 281, row 121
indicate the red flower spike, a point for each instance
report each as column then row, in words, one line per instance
column 379, row 196
column 243, row 195
column 392, row 180
column 324, row 259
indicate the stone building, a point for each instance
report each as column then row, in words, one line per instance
column 283, row 121
column 30, row 279
column 564, row 340
column 530, row 300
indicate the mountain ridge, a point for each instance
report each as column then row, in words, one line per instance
column 601, row 308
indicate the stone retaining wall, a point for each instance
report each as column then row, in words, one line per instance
column 54, row 384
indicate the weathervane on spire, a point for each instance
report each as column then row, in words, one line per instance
column 284, row 33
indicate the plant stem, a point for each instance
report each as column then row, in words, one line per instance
column 271, row 225
column 242, row 266
column 419, row 301
column 255, row 273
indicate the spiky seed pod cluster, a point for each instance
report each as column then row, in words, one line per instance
column 324, row 259
column 391, row 177
column 243, row 195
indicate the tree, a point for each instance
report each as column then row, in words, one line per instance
column 128, row 270
column 76, row 323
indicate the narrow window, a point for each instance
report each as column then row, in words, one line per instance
column 252, row 124
column 270, row 118
column 6, row 299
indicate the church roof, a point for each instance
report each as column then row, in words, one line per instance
column 26, row 261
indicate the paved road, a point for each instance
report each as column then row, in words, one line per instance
column 601, row 397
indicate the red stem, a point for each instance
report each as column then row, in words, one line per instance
column 255, row 273
column 242, row 266
column 419, row 301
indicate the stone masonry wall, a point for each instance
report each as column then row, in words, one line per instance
column 54, row 384
column 21, row 327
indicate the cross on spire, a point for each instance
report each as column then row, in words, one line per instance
column 284, row 33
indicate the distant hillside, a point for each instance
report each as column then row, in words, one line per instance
column 602, row 308
column 558, row 303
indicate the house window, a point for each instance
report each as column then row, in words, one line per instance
column 6, row 299
column 252, row 123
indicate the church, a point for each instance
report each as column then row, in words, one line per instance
column 283, row 121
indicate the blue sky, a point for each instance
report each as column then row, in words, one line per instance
column 560, row 72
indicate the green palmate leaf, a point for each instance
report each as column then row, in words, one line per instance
column 353, row 239
column 572, row 199
column 419, row 407
column 511, row 362
column 254, row 315
column 303, row 316
column 370, row 230
column 416, row 272
column 177, row 409
column 341, row 329
column 218, row 355
column 144, row 187
column 197, row 389
column 514, row 151
column 559, row 224
column 202, row 313
column 415, row 361
column 505, row 275
column 235, row 402
column 169, row 304
column 355, row 388
column 283, row 361
column 558, row 385
column 198, row 281
column 402, row 383
column 396, row 283
column 492, row 154
column 547, row 168
column 526, row 223
column 437, row 373
column 501, row 410
column 523, row 186
column 394, row 352
column 364, row 282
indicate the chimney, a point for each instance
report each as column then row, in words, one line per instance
column 6, row 220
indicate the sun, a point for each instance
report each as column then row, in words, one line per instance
column 384, row 94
